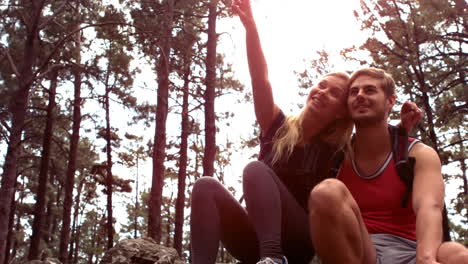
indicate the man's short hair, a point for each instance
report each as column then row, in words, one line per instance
column 386, row 80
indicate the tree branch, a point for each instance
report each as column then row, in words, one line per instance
column 53, row 16
column 50, row 69
column 5, row 137
column 5, row 124
column 455, row 143
column 62, row 41
column 458, row 108
column 12, row 63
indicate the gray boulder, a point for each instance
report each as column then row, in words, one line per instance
column 140, row 251
column 45, row 261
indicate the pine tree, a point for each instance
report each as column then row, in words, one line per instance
column 20, row 95
column 39, row 210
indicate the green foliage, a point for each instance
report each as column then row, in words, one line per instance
column 136, row 211
column 93, row 231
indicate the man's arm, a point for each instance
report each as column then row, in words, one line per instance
column 428, row 202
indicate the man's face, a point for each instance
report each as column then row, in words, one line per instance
column 367, row 102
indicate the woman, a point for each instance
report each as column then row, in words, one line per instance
column 296, row 153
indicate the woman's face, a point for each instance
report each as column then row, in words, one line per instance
column 328, row 98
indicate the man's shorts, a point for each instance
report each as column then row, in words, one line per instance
column 393, row 249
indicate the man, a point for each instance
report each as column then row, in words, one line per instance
column 359, row 218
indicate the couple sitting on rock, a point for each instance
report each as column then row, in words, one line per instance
column 375, row 198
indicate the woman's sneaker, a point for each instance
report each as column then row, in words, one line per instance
column 268, row 260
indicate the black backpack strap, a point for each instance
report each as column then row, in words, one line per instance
column 403, row 163
column 336, row 163
column 445, row 226
column 405, row 169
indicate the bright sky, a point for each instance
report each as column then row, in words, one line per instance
column 291, row 34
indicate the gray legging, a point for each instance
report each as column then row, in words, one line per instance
column 273, row 225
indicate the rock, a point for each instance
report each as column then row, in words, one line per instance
column 45, row 261
column 140, row 251
column 315, row 260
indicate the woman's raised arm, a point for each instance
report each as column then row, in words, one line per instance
column 265, row 108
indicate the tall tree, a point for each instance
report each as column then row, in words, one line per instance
column 76, row 212
column 210, row 81
column 182, row 174
column 72, row 155
column 32, row 19
column 117, row 79
column 39, row 210
column 109, row 225
column 159, row 149
column 131, row 158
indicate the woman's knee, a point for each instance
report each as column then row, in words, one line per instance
column 205, row 187
column 327, row 196
column 253, row 171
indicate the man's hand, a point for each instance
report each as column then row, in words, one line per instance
column 243, row 9
column 410, row 115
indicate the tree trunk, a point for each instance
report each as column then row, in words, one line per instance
column 18, row 110
column 18, row 219
column 465, row 184
column 51, row 217
column 76, row 211
column 15, row 241
column 70, row 176
column 463, row 168
column 93, row 241
column 210, row 129
column 159, row 148
column 109, row 226
column 168, row 222
column 137, row 206
column 77, row 245
column 55, row 220
column 180, row 203
column 41, row 196
column 49, row 220
column 11, row 232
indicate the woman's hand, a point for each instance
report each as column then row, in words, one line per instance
column 243, row 9
column 410, row 115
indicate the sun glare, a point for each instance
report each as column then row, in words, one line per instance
column 293, row 31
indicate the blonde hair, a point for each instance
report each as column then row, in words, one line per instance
column 290, row 133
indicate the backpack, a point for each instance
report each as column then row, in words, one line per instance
column 404, row 166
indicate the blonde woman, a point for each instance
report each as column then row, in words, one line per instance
column 296, row 154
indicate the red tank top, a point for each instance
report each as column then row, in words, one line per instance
column 379, row 198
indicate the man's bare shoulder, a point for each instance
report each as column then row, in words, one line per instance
column 421, row 151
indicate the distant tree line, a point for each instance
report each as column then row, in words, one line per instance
column 67, row 83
